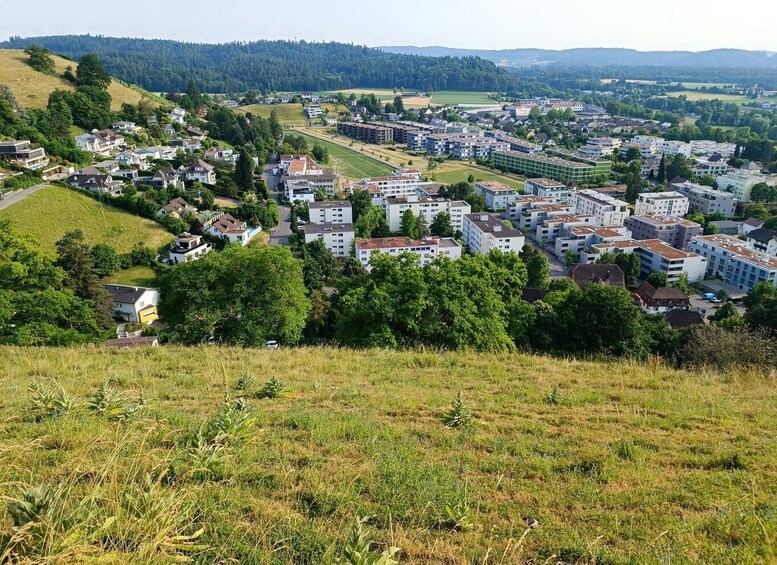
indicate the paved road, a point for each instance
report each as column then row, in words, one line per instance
column 279, row 235
column 15, row 197
column 558, row 269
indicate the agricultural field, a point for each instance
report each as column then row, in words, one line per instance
column 349, row 163
column 699, row 95
column 134, row 276
column 32, row 88
column 288, row 114
column 437, row 98
column 50, row 212
column 555, row 461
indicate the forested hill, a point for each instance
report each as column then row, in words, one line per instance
column 164, row 65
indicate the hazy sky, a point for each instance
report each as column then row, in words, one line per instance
column 484, row 24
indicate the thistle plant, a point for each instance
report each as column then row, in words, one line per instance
column 459, row 416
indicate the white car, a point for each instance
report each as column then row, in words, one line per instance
column 301, row 223
column 272, row 344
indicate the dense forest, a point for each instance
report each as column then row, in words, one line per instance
column 163, row 65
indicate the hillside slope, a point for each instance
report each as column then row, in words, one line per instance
column 609, row 463
column 47, row 214
column 32, row 88
column 165, row 65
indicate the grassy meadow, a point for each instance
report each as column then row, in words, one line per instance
column 437, row 98
column 50, row 212
column 32, row 88
column 134, row 276
column 562, row 462
column 288, row 114
column 349, row 163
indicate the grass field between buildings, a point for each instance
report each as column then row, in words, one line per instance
column 49, row 213
column 134, row 276
column 563, row 461
column 349, row 163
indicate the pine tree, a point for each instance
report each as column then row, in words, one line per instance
column 662, row 169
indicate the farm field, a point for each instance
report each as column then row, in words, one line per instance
column 134, row 276
column 441, row 97
column 50, row 212
column 698, row 95
column 349, row 163
column 32, row 88
column 288, row 114
column 564, row 461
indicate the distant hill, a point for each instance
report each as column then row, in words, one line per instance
column 585, row 57
column 32, row 88
column 163, row 65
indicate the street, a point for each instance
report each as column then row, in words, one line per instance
column 15, row 197
column 280, row 234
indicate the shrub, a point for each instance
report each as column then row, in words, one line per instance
column 554, row 397
column 357, row 549
column 49, row 404
column 273, row 388
column 713, row 346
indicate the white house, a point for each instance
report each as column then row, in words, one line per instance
column 299, row 190
column 234, row 230
column 330, row 212
column 483, row 232
column 763, row 240
column 661, row 204
column 101, row 142
column 200, row 171
column 427, row 208
column 188, row 247
column 655, row 256
column 177, row 115
column 126, row 127
column 337, row 237
column 547, row 188
column 426, row 249
column 498, row 195
column 133, row 303
column 606, row 210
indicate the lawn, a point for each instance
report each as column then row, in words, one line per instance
column 134, row 276
column 288, row 114
column 32, row 88
column 47, row 214
column 449, row 174
column 443, row 97
column 350, row 163
column 698, row 95
column 564, row 462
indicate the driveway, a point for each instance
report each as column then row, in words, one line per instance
column 280, row 234
column 558, row 269
column 16, row 196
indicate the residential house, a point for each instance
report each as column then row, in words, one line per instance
column 299, row 190
column 483, row 232
column 426, row 249
column 234, row 230
column 680, row 319
column 660, row 300
column 763, row 240
column 22, row 154
column 177, row 115
column 223, row 154
column 165, row 177
column 188, row 247
column 102, row 142
column 133, row 303
column 126, row 127
column 600, row 273
column 200, row 171
column 189, row 145
column 498, row 195
column 177, row 208
column 137, row 341
column 131, row 159
column 196, row 133
column 93, row 180
column 749, row 225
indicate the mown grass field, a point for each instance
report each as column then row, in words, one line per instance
column 623, row 463
column 452, row 172
column 349, row 163
column 437, row 98
column 32, row 88
column 699, row 95
column 50, row 212
column 288, row 114
column 134, row 276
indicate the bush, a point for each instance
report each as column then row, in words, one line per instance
column 713, row 346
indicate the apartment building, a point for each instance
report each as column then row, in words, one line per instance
column 401, row 131
column 763, row 240
column 546, row 166
column 369, row 133
column 516, row 144
column 22, row 154
column 484, row 232
column 709, row 147
column 606, row 210
column 427, row 208
column 714, row 165
column 655, row 256
column 707, row 200
column 574, row 238
column 426, row 249
column 598, row 147
column 735, row 261
column 661, row 204
column 556, row 225
column 498, row 195
column 547, row 188
column 337, row 237
column 331, row 212
column 299, row 190
column 741, row 181
column 673, row 230
column 397, row 185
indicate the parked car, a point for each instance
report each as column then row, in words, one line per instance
column 272, row 344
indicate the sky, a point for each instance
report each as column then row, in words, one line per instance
column 693, row 25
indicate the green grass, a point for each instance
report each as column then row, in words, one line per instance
column 460, row 175
column 134, row 276
column 698, row 95
column 441, row 97
column 52, row 211
column 288, row 114
column 350, row 163
column 623, row 463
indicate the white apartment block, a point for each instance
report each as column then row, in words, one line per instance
column 556, row 225
column 709, row 147
column 655, row 256
column 337, row 237
column 498, row 196
column 606, row 210
column 575, row 238
column 741, row 181
column 598, row 147
column 735, row 261
column 547, row 188
column 661, row 204
column 528, row 209
column 395, row 186
column 484, row 232
column 707, row 200
column 426, row 249
column 331, row 212
column 427, row 208
column 653, row 145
